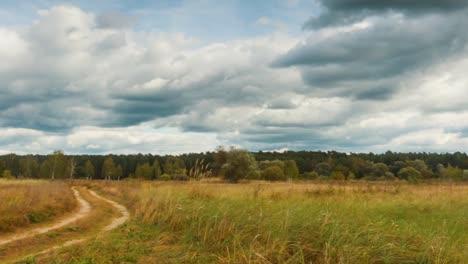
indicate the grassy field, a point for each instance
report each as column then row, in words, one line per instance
column 283, row 223
column 25, row 202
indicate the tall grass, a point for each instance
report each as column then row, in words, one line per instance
column 283, row 223
column 304, row 223
column 26, row 202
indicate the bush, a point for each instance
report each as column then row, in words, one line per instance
column 273, row 173
column 465, row 175
column 7, row 174
column 254, row 175
column 390, row 176
column 323, row 169
column 165, row 177
column 338, row 176
column 290, row 169
column 452, row 173
column 410, row 174
column 310, row 175
column 239, row 164
column 180, row 177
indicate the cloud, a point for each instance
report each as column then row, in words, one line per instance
column 370, row 63
column 114, row 20
column 410, row 5
column 342, row 12
column 99, row 140
column 390, row 81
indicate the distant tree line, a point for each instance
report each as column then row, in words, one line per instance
column 236, row 164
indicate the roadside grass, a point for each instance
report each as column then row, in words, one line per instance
column 283, row 223
column 26, row 202
column 88, row 227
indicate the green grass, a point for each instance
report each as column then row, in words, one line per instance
column 284, row 223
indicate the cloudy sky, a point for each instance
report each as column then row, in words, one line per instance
column 173, row 76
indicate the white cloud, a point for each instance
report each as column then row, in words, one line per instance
column 68, row 83
column 98, row 140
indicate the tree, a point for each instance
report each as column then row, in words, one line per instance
column 239, row 165
column 29, row 167
column 452, row 173
column 417, row 164
column 7, row 174
column 360, row 167
column 55, row 166
column 175, row 166
column 72, row 167
column 220, row 158
column 337, row 176
column 323, row 169
column 45, row 169
column 144, row 171
column 273, row 173
column 390, row 176
column 89, row 170
column 156, row 169
column 108, row 168
column 119, row 172
column 397, row 166
column 379, row 170
column 12, row 164
column 270, row 163
column 290, row 169
column 410, row 174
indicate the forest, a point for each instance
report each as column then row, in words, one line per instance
column 237, row 164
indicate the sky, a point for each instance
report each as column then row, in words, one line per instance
column 178, row 76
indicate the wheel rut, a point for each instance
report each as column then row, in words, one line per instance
column 86, row 207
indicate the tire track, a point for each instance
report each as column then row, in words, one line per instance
column 116, row 222
column 83, row 211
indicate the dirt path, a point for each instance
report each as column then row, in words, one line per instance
column 122, row 210
column 88, row 206
column 83, row 210
column 116, row 222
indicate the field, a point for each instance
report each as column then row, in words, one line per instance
column 282, row 223
column 23, row 203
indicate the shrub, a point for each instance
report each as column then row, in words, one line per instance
column 452, row 173
column 273, row 173
column 290, row 169
column 180, row 177
column 337, row 175
column 410, row 174
column 390, row 176
column 165, row 177
column 270, row 163
column 310, row 175
column 323, row 169
column 7, row 174
column 239, row 164
column 254, row 175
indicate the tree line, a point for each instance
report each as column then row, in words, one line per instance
column 236, row 164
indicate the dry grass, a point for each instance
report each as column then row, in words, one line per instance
column 25, row 202
column 261, row 222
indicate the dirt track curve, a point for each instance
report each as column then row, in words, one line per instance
column 84, row 210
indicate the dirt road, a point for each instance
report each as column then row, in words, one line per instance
column 95, row 216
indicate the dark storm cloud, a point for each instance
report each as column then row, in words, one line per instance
column 131, row 110
column 370, row 62
column 395, row 4
column 342, row 12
